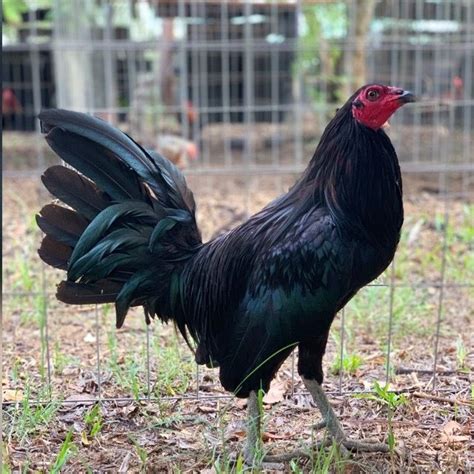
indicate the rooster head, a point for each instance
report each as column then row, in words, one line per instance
column 373, row 104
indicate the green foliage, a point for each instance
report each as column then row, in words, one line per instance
column 93, row 421
column 328, row 460
column 391, row 437
column 350, row 364
column 368, row 312
column 318, row 50
column 466, row 232
column 15, row 371
column 28, row 418
column 173, row 372
column 228, row 466
column 384, row 396
column 126, row 371
column 295, row 468
column 6, row 469
column 68, row 448
column 12, row 10
column 26, row 280
column 41, row 311
column 60, row 359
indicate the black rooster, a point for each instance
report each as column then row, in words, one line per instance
column 250, row 296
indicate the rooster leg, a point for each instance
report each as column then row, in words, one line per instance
column 333, row 425
column 252, row 451
column 254, row 437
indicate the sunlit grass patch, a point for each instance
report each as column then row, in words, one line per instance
column 27, row 418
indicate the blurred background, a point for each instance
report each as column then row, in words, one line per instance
column 237, row 94
column 248, row 83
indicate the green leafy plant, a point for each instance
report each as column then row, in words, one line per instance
column 93, row 421
column 383, row 395
column 319, row 52
column 350, row 364
column 68, row 448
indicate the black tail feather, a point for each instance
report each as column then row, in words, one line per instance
column 97, row 163
column 64, row 225
column 131, row 226
column 75, row 190
column 54, row 253
column 102, row 291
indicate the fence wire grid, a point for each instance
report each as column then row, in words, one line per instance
column 252, row 84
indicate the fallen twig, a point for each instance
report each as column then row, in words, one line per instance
column 442, row 399
column 408, row 370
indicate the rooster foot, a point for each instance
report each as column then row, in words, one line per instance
column 334, row 426
column 253, row 454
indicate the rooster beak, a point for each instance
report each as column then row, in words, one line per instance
column 406, row 96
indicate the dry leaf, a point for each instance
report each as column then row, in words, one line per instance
column 84, row 440
column 450, row 433
column 236, row 435
column 277, row 391
column 89, row 338
column 451, row 427
column 267, row 435
column 241, row 402
column 12, row 395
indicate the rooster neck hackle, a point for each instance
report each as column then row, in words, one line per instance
column 355, row 173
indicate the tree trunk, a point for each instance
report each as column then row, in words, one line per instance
column 362, row 15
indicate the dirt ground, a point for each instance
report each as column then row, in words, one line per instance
column 190, row 424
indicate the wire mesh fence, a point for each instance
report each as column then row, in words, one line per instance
column 252, row 85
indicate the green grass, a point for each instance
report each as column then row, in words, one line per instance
column 328, row 460
column 127, row 371
column 174, row 372
column 461, row 354
column 25, row 281
column 93, row 421
column 350, row 364
column 368, row 313
column 41, row 311
column 392, row 401
column 28, row 419
column 420, row 253
column 141, row 453
column 61, row 360
column 66, row 451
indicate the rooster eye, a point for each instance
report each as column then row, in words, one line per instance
column 373, row 94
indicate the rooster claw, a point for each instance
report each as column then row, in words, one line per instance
column 367, row 445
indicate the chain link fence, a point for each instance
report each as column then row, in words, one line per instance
column 252, row 85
